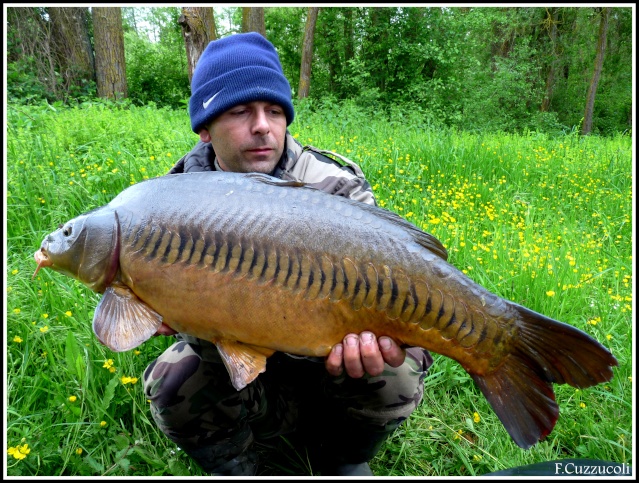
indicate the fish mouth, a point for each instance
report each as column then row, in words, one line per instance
column 42, row 259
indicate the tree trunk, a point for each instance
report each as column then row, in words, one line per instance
column 553, row 19
column 599, row 59
column 253, row 20
column 349, row 50
column 71, row 44
column 307, row 53
column 198, row 30
column 110, row 67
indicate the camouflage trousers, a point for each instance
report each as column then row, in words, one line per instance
column 195, row 405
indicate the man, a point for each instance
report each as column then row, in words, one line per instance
column 344, row 407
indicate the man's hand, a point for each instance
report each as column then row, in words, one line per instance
column 364, row 354
column 165, row 330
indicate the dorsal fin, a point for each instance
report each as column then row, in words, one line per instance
column 268, row 179
column 426, row 240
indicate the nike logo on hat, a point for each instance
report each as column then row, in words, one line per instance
column 205, row 104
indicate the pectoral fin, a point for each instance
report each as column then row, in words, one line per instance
column 122, row 321
column 243, row 362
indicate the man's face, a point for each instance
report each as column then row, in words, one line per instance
column 248, row 138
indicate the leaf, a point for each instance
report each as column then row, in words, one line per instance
column 80, row 368
column 124, row 463
column 146, row 456
column 177, row 468
column 108, row 393
column 75, row 410
column 121, row 441
column 71, row 353
column 93, row 463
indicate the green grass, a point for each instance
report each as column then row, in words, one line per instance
column 545, row 222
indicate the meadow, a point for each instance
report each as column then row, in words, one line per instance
column 543, row 221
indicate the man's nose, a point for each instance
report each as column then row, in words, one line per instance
column 260, row 122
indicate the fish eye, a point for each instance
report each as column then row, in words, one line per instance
column 67, row 230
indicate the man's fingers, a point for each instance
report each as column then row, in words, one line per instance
column 370, row 354
column 352, row 358
column 334, row 361
column 364, row 354
column 392, row 353
column 165, row 330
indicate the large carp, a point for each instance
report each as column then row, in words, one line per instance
column 257, row 265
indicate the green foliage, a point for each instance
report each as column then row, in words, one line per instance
column 285, row 29
column 545, row 221
column 23, row 85
column 157, row 71
column 478, row 68
column 473, row 68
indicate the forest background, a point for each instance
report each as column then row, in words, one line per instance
column 514, row 69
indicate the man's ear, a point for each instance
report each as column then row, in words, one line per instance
column 205, row 136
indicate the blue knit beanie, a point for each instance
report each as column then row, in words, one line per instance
column 234, row 70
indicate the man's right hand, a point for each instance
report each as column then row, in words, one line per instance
column 364, row 354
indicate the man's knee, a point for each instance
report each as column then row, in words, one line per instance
column 385, row 400
column 166, row 375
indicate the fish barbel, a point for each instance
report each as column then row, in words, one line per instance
column 257, row 265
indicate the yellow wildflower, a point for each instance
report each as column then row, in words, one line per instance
column 19, row 452
column 476, row 417
column 103, row 424
column 17, row 339
column 44, row 329
column 72, row 398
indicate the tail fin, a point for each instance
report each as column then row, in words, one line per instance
column 546, row 351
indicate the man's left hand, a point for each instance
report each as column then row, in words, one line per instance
column 364, row 354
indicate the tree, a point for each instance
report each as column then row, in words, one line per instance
column 551, row 22
column 599, row 60
column 110, row 64
column 31, row 72
column 71, row 45
column 253, row 20
column 307, row 53
column 198, row 29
